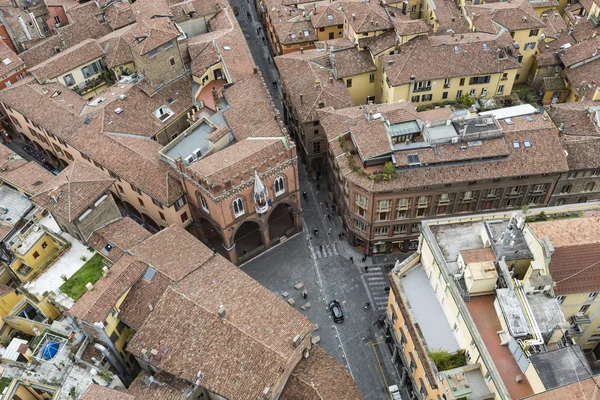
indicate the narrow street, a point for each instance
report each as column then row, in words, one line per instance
column 329, row 268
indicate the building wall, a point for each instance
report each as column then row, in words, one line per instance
column 77, row 73
column 118, row 335
column 522, row 37
column 56, row 12
column 13, row 76
column 119, row 69
column 37, row 256
column 576, row 187
column 362, row 87
column 157, row 69
column 55, row 149
column 330, row 32
column 498, row 85
column 485, row 196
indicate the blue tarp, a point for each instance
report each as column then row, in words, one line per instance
column 50, row 350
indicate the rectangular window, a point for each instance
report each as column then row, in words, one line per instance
column 415, row 99
column 349, row 83
column 399, row 229
column 184, row 217
column 383, row 210
column 372, row 78
column 172, row 61
column 561, row 299
column 402, row 208
column 69, row 80
column 426, row 97
column 500, row 89
column 44, row 245
column 592, row 296
column 533, row 32
column 141, row 202
column 360, row 225
column 153, row 53
column 458, row 94
column 120, row 189
column 479, row 80
column 445, row 95
column 162, row 216
column 473, row 92
column 447, row 83
column 462, row 82
column 361, row 205
column 584, row 309
column 381, row 231
column 36, row 254
column 316, row 147
column 179, row 203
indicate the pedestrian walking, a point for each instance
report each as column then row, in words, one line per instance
column 321, row 248
column 340, row 235
column 329, row 232
column 366, row 269
column 305, row 196
column 367, row 305
column 352, row 260
column 248, row 14
column 329, row 217
column 364, row 258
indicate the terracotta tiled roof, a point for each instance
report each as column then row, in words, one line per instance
column 155, row 391
column 137, row 108
column 576, row 245
column 142, row 298
column 122, row 235
column 9, row 60
column 72, row 191
column 76, row 56
column 30, row 177
column 366, row 16
column 116, row 47
column 228, row 43
column 585, row 79
column 449, row 18
column 239, row 160
column 251, row 112
column 320, row 376
column 478, row 255
column 579, row 52
column 352, row 62
column 95, row 305
column 547, row 156
column 555, row 24
column 118, row 15
column 371, row 138
column 327, row 15
column 96, row 392
column 149, row 34
column 238, row 356
column 574, row 118
column 181, row 10
column 300, row 74
column 336, row 122
column 147, row 9
column 405, row 26
column 84, row 26
column 585, row 389
column 456, row 57
column 172, row 253
column 10, row 160
column 515, row 15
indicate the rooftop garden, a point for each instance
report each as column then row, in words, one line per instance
column 388, row 169
column 4, row 382
column 445, row 360
column 542, row 216
column 91, row 271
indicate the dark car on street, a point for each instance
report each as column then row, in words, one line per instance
column 336, row 311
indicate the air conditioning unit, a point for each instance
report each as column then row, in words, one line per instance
column 122, row 96
column 197, row 153
column 189, row 159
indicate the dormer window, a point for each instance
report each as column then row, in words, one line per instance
column 329, row 17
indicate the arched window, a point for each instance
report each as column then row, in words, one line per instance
column 238, row 207
column 566, row 189
column 203, row 203
column 279, row 187
column 589, row 187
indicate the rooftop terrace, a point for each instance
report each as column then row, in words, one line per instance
column 427, row 311
column 13, row 205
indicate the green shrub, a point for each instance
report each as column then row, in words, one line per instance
column 445, row 360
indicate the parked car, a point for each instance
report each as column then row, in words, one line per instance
column 336, row 311
column 395, row 392
column 34, row 153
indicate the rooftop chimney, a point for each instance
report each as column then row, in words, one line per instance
column 317, row 83
column 321, row 104
column 301, row 50
column 301, row 99
column 221, row 312
column 353, row 17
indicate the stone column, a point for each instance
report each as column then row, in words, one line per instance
column 297, row 215
column 264, row 233
column 232, row 253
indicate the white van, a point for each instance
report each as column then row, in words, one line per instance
column 395, row 392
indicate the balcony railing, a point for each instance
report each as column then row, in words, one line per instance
column 582, row 319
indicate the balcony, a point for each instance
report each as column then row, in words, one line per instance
column 423, row 89
column 574, row 331
column 261, row 207
column 582, row 319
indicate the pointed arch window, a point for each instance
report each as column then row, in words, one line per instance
column 238, row 207
column 279, row 186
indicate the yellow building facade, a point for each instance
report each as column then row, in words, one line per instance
column 34, row 251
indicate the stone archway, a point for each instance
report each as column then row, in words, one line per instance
column 210, row 236
column 247, row 238
column 151, row 225
column 132, row 212
column 281, row 221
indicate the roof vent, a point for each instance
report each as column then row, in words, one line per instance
column 123, row 96
column 7, row 61
column 296, row 341
column 89, row 286
column 118, row 110
column 221, row 312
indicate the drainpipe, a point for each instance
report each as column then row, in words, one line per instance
column 537, row 334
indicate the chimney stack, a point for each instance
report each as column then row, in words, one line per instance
column 301, row 50
column 301, row 99
column 221, row 312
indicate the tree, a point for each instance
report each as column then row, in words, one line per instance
column 389, row 168
column 466, row 100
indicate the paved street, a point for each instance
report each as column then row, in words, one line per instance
column 329, row 274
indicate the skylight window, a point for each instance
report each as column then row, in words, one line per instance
column 529, row 118
column 527, row 143
column 163, row 113
column 226, row 47
column 329, row 17
column 293, row 36
column 516, row 144
column 456, row 48
column 413, row 159
column 171, row 100
column 306, row 33
column 485, row 46
column 509, row 121
column 149, row 274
